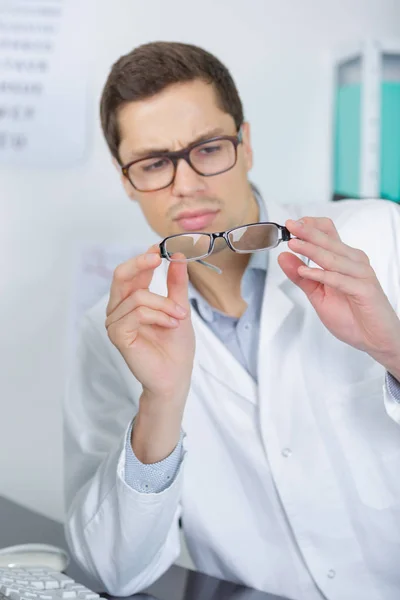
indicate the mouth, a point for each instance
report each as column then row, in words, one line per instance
column 196, row 220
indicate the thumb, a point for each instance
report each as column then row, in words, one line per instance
column 178, row 283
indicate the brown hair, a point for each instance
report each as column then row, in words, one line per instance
column 150, row 68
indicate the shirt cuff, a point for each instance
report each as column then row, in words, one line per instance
column 393, row 387
column 151, row 478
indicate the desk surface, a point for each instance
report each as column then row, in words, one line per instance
column 19, row 525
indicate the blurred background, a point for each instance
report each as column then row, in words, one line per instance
column 320, row 86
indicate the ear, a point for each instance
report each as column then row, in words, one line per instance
column 246, row 144
column 126, row 184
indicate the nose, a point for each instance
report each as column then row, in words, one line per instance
column 187, row 182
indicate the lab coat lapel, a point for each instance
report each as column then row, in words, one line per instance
column 281, row 298
column 216, row 360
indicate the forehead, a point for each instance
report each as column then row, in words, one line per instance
column 171, row 119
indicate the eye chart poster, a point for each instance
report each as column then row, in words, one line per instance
column 45, row 50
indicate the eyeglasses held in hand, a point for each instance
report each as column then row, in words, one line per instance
column 254, row 237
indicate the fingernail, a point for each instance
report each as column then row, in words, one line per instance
column 173, row 321
column 150, row 258
column 180, row 310
column 300, row 222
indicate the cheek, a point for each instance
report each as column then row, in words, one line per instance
column 155, row 208
column 151, row 212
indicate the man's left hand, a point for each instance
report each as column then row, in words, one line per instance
column 345, row 292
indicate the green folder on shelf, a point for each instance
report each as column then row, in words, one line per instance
column 390, row 141
column 347, row 142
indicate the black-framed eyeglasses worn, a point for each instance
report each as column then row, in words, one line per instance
column 207, row 158
column 246, row 239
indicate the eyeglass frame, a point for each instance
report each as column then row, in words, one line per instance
column 285, row 236
column 176, row 155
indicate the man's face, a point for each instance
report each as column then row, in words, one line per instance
column 172, row 120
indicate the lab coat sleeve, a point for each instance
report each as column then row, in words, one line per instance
column 391, row 388
column 122, row 538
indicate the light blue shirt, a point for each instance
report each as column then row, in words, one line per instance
column 241, row 336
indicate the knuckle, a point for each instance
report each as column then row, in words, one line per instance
column 369, row 273
column 119, row 273
column 362, row 257
column 111, row 332
column 167, row 304
column 139, row 297
column 327, row 225
column 140, row 312
column 331, row 260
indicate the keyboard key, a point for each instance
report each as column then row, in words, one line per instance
column 51, row 584
column 41, row 583
column 62, row 579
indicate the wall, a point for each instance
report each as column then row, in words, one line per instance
column 279, row 54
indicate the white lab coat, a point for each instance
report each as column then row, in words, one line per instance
column 320, row 420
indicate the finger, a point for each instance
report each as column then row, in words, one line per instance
column 327, row 238
column 332, row 261
column 290, row 264
column 178, row 282
column 135, row 273
column 323, row 224
column 149, row 300
column 343, row 283
column 125, row 331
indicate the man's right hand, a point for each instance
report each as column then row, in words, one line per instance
column 155, row 336
column 153, row 333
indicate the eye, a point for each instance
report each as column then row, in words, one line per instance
column 155, row 165
column 211, row 149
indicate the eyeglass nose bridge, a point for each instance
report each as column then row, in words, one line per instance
column 178, row 155
column 215, row 236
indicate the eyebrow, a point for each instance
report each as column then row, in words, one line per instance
column 144, row 152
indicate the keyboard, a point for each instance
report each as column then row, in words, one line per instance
column 40, row 583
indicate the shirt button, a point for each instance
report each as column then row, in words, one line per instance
column 247, row 327
column 286, row 452
column 331, row 574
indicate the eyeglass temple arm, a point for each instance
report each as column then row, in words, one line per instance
column 213, row 267
column 164, row 254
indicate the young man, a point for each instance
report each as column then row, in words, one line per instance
column 275, row 439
